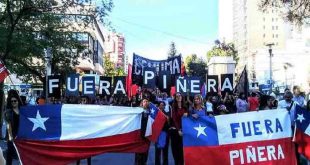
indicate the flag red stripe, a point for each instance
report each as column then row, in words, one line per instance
column 303, row 142
column 63, row 152
column 214, row 155
column 157, row 126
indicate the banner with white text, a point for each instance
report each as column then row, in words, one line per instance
column 262, row 137
column 140, row 63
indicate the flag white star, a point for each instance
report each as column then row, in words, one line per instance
column 38, row 122
column 201, row 130
column 300, row 117
column 152, row 111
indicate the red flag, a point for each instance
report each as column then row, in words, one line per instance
column 3, row 72
column 129, row 81
column 155, row 123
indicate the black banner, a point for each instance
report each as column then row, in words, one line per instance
column 140, row 63
column 53, row 86
column 72, row 85
column 164, row 81
column 191, row 85
column 88, row 86
column 226, row 83
column 105, row 86
column 212, row 83
column 119, row 85
column 149, row 77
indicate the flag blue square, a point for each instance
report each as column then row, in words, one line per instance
column 41, row 122
column 200, row 132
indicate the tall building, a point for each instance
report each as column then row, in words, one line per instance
column 225, row 20
column 253, row 29
column 91, row 59
column 115, row 49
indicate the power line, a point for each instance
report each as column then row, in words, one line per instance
column 160, row 31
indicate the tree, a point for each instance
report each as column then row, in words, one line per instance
column 295, row 11
column 195, row 66
column 223, row 49
column 108, row 67
column 172, row 50
column 27, row 27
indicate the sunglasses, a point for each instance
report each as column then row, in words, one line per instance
column 14, row 101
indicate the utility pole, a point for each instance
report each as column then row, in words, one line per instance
column 48, row 69
column 270, row 65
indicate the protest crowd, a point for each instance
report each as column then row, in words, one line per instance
column 174, row 108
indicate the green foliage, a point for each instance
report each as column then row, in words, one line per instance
column 120, row 71
column 195, row 66
column 27, row 27
column 223, row 49
column 110, row 69
column 295, row 11
column 172, row 50
column 108, row 66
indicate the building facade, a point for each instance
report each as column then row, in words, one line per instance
column 253, row 29
column 115, row 50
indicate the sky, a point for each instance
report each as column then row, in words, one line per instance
column 149, row 26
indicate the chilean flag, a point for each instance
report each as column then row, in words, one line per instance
column 155, row 123
column 302, row 136
column 262, row 137
column 60, row 134
column 3, row 72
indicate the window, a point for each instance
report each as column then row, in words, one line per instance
column 276, row 35
column 276, row 27
column 263, row 18
column 272, row 19
column 264, row 35
column 272, row 27
column 264, row 27
column 272, row 35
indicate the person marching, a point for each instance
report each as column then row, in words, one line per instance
column 162, row 146
column 179, row 110
column 12, row 119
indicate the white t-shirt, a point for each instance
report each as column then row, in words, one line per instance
column 283, row 104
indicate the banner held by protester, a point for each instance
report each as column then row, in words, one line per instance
column 245, row 138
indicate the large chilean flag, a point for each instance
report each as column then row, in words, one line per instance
column 60, row 134
column 262, row 137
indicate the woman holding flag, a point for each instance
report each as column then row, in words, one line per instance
column 12, row 119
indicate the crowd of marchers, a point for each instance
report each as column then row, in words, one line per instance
column 173, row 107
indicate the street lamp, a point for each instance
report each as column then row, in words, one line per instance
column 48, row 69
column 270, row 53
